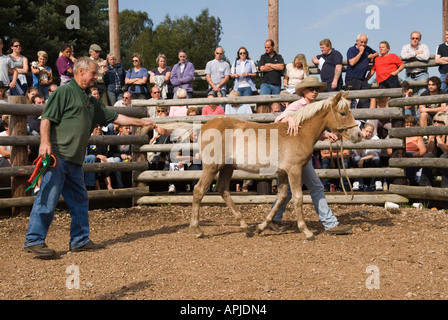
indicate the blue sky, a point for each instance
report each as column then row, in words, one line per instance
column 304, row 23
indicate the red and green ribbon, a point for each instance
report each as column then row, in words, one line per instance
column 41, row 165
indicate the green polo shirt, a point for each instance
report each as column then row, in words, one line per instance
column 73, row 115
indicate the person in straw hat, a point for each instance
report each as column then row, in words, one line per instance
column 308, row 90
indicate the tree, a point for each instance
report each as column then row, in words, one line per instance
column 42, row 25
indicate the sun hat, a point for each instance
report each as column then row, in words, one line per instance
column 441, row 116
column 234, row 93
column 310, row 82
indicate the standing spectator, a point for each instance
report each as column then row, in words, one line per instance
column 387, row 67
column 437, row 147
column 6, row 68
column 21, row 64
column 237, row 108
column 358, row 59
column 415, row 51
column 95, row 51
column 272, row 66
column 42, row 74
column 330, row 66
column 295, row 73
column 160, row 77
column 180, row 111
column 65, row 64
column 442, row 60
column 182, row 75
column 137, row 78
column 244, row 71
column 114, row 79
column 429, row 110
column 217, row 74
column 367, row 158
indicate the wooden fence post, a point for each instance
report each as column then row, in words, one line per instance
column 19, row 155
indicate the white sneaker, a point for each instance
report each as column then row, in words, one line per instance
column 378, row 186
column 171, row 189
column 356, row 186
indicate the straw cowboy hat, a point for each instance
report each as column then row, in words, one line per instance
column 441, row 116
column 310, row 82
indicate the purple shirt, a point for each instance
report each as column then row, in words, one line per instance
column 183, row 79
column 63, row 65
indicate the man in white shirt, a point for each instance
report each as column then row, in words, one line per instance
column 217, row 74
column 415, row 51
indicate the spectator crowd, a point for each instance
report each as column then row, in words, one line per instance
column 33, row 78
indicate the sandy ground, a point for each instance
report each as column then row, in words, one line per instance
column 151, row 254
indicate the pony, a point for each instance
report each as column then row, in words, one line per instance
column 227, row 144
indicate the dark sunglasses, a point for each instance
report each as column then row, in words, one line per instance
column 313, row 89
column 241, row 53
column 161, row 111
column 439, row 122
column 156, row 92
column 219, row 53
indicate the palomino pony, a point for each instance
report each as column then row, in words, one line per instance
column 288, row 154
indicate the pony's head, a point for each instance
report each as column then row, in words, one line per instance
column 341, row 120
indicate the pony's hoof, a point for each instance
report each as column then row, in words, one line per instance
column 258, row 231
column 198, row 234
column 311, row 238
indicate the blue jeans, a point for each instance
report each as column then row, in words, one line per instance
column 314, row 185
column 89, row 177
column 66, row 179
column 267, row 88
column 444, row 85
column 245, row 91
column 375, row 162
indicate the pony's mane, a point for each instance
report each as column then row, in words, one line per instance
column 312, row 109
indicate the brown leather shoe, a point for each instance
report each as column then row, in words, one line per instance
column 41, row 250
column 340, row 229
column 89, row 246
column 277, row 227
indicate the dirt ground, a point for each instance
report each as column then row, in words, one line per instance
column 151, row 254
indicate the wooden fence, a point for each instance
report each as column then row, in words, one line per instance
column 142, row 177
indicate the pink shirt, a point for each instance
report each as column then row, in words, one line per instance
column 178, row 111
column 207, row 111
column 291, row 108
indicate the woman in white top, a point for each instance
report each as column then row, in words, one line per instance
column 295, row 73
column 244, row 71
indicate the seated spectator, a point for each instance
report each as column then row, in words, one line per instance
column 126, row 100
column 429, row 110
column 192, row 111
column 295, row 72
column 51, row 88
column 31, row 92
column 160, row 77
column 415, row 148
column 97, row 154
column 408, row 93
column 42, row 74
column 276, row 107
column 367, row 158
column 5, row 151
column 180, row 111
column 3, row 95
column 121, row 153
column 237, row 108
column 437, row 147
column 33, row 125
column 193, row 160
column 329, row 160
column 95, row 93
column 212, row 109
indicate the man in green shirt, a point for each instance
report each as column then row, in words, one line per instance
column 67, row 122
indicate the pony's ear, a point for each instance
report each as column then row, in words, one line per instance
column 345, row 95
column 337, row 97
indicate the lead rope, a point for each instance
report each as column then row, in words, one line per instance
column 341, row 148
